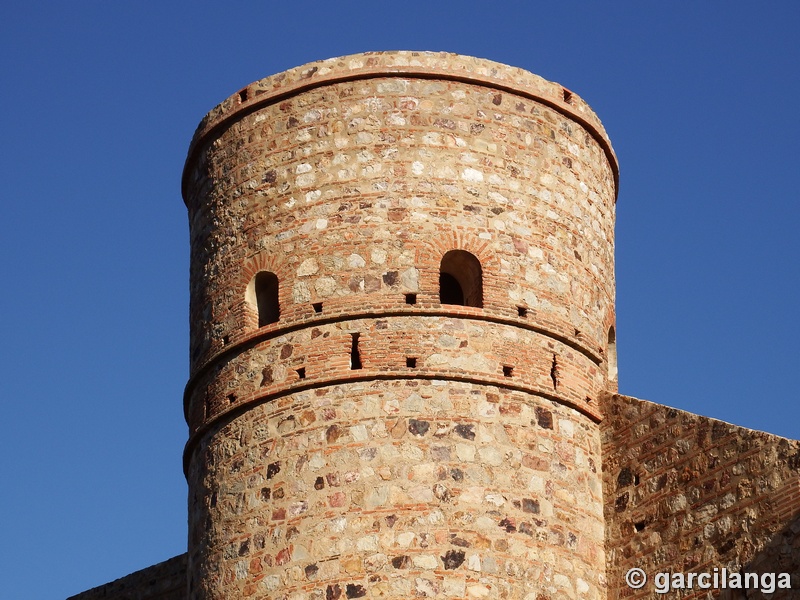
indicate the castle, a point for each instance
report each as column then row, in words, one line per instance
column 403, row 365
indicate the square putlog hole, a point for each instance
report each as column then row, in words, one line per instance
column 411, row 362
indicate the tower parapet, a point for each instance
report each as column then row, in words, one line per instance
column 402, row 301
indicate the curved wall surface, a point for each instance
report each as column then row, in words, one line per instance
column 402, row 296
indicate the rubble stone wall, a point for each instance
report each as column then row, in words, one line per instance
column 163, row 581
column 686, row 493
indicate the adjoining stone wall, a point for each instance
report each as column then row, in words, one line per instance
column 685, row 493
column 164, row 581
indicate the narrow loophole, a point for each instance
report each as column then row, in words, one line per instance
column 508, row 371
column 611, row 354
column 554, row 372
column 317, row 306
column 355, row 357
column 522, row 311
column 301, row 372
column 411, row 298
column 411, row 362
column 636, row 479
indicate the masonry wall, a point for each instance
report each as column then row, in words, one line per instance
column 403, row 489
column 163, row 581
column 685, row 493
column 374, row 440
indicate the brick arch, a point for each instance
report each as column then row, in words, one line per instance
column 429, row 258
column 263, row 261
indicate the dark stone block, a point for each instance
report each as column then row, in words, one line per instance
column 417, row 427
column 401, row 562
column 530, row 506
column 625, row 478
column 453, row 559
column 544, row 418
column 355, row 590
column 465, row 431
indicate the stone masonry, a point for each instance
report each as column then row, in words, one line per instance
column 403, row 365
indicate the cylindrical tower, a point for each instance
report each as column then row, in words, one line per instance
column 402, row 304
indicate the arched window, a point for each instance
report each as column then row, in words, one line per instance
column 611, row 354
column 262, row 294
column 461, row 279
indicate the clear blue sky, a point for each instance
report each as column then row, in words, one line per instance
column 100, row 100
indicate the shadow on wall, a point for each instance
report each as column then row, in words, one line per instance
column 780, row 555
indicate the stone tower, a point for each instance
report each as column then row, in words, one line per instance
column 402, row 321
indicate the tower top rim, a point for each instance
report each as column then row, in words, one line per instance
column 401, row 63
